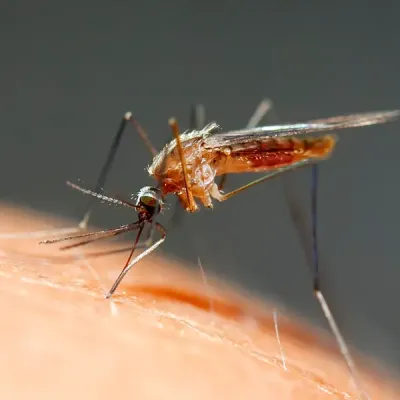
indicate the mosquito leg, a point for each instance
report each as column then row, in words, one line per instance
column 222, row 181
column 101, row 180
column 262, row 109
column 314, row 262
column 300, row 226
column 197, row 117
column 318, row 294
column 149, row 239
column 141, row 244
column 215, row 192
column 142, row 133
column 344, row 350
column 312, row 255
column 129, row 264
column 190, row 200
column 99, row 184
column 105, row 170
column 314, row 222
column 197, row 121
column 275, row 315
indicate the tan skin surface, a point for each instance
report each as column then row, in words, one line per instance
column 158, row 338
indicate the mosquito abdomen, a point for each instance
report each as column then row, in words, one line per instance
column 265, row 155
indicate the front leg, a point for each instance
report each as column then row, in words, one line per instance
column 183, row 199
column 216, row 193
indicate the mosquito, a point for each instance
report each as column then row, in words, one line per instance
column 189, row 164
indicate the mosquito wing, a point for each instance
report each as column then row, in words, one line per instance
column 314, row 126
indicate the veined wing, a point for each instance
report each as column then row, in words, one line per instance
column 305, row 128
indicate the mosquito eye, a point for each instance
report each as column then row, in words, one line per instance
column 148, row 201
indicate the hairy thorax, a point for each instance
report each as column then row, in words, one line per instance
column 167, row 169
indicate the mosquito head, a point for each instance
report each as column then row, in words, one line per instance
column 149, row 200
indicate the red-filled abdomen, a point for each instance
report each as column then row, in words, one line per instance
column 273, row 153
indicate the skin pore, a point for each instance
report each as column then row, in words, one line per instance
column 165, row 334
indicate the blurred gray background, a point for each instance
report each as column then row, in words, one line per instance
column 70, row 70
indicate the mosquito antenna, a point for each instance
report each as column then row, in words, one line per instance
column 102, row 197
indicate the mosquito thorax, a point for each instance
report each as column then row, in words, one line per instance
column 149, row 199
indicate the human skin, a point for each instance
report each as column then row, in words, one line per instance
column 165, row 334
